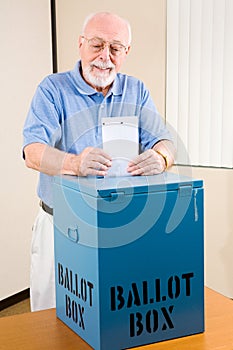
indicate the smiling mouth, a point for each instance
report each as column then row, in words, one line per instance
column 102, row 69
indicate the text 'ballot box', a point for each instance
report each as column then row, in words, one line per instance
column 129, row 258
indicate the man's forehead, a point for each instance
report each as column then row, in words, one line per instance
column 108, row 28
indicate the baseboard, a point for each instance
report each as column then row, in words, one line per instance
column 14, row 299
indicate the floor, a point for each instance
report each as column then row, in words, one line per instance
column 19, row 308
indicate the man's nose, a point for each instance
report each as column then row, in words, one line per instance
column 105, row 52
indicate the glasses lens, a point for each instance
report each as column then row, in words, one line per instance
column 97, row 45
column 116, row 49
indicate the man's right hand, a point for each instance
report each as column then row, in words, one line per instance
column 51, row 161
column 93, row 161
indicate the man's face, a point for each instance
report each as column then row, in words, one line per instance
column 103, row 49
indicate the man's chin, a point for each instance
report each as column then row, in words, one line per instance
column 102, row 85
column 102, row 82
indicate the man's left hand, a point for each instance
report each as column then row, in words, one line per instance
column 147, row 163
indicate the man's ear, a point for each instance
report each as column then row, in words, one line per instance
column 80, row 41
column 129, row 47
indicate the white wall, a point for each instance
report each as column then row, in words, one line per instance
column 218, row 220
column 25, row 59
column 218, row 184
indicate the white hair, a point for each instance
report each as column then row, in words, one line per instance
column 92, row 15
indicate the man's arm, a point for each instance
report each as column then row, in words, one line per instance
column 155, row 160
column 166, row 150
column 51, row 161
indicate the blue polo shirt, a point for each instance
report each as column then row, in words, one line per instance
column 66, row 113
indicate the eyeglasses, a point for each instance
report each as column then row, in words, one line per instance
column 97, row 45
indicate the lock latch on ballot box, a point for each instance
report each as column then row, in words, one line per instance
column 119, row 196
column 185, row 190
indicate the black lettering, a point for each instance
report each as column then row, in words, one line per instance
column 81, row 312
column 83, row 289
column 167, row 317
column 66, row 279
column 133, row 297
column 71, row 281
column 173, row 280
column 145, row 292
column 139, row 323
column 118, row 297
column 131, row 325
column 157, row 290
column 60, row 274
column 136, row 324
column 91, row 286
column 74, row 311
column 76, row 285
column 68, row 308
column 187, row 277
column 152, row 318
column 113, row 298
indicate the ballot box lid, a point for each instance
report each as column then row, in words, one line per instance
column 104, row 187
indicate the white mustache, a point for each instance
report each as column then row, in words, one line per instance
column 103, row 65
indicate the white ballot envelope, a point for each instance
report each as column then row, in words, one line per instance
column 121, row 142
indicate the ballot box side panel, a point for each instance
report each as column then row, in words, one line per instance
column 76, row 265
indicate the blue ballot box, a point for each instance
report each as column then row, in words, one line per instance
column 129, row 258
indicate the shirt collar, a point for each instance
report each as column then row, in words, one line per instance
column 86, row 89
